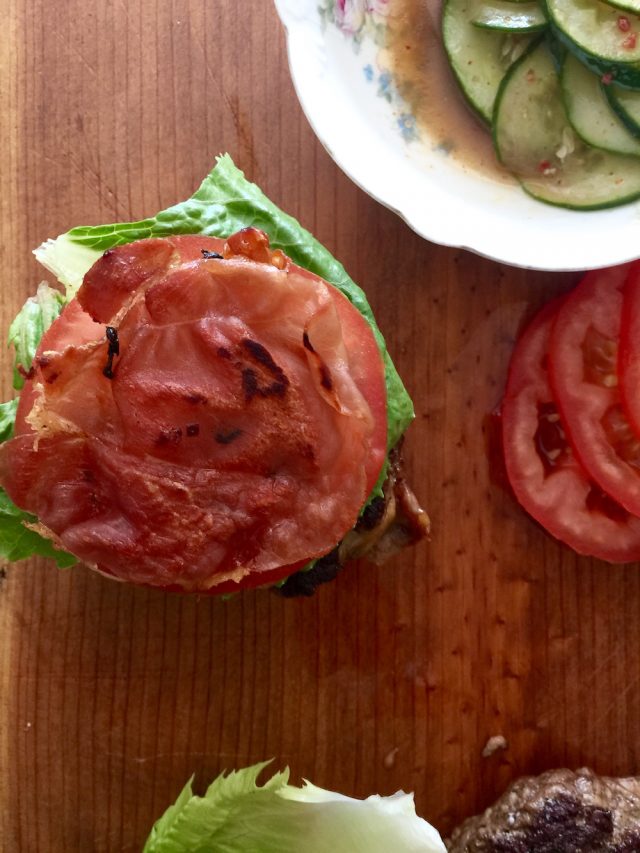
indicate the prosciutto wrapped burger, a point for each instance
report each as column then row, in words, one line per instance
column 206, row 415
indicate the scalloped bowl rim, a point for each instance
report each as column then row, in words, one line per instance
column 464, row 209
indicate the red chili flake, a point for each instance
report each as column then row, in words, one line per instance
column 544, row 166
column 607, row 79
column 630, row 42
column 624, row 24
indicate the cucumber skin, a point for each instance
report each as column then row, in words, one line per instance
column 486, row 120
column 535, row 8
column 496, row 104
column 558, row 51
column 632, row 126
column 525, row 31
column 531, row 29
column 583, row 208
column 622, row 6
column 576, row 130
column 627, row 75
column 536, row 28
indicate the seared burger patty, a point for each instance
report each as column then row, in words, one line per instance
column 387, row 525
column 557, row 812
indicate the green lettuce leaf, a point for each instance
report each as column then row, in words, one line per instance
column 26, row 331
column 7, row 419
column 224, row 203
column 18, row 542
column 236, row 815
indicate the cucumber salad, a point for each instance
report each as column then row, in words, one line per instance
column 558, row 84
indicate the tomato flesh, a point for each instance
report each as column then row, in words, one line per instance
column 583, row 357
column 546, row 477
column 629, row 353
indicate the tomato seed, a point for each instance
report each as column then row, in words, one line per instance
column 550, row 439
column 600, row 356
column 621, row 436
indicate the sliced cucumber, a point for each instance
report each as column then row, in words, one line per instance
column 478, row 57
column 558, row 51
column 589, row 112
column 511, row 17
column 591, row 30
column 632, row 6
column 626, row 104
column 533, row 140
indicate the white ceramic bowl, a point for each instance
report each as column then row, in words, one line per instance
column 371, row 139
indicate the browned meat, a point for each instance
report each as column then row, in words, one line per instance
column 388, row 525
column 557, row 812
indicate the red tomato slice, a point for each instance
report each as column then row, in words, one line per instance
column 629, row 353
column 543, row 471
column 236, row 435
column 254, row 581
column 583, row 353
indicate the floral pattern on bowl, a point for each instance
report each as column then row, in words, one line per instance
column 357, row 18
column 366, row 19
column 350, row 104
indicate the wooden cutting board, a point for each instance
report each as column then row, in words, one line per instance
column 394, row 677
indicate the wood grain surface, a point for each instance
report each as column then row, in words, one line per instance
column 111, row 697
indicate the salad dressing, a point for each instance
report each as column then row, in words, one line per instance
column 416, row 57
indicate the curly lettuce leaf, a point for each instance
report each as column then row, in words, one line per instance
column 7, row 419
column 26, row 331
column 236, row 815
column 17, row 541
column 224, row 203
